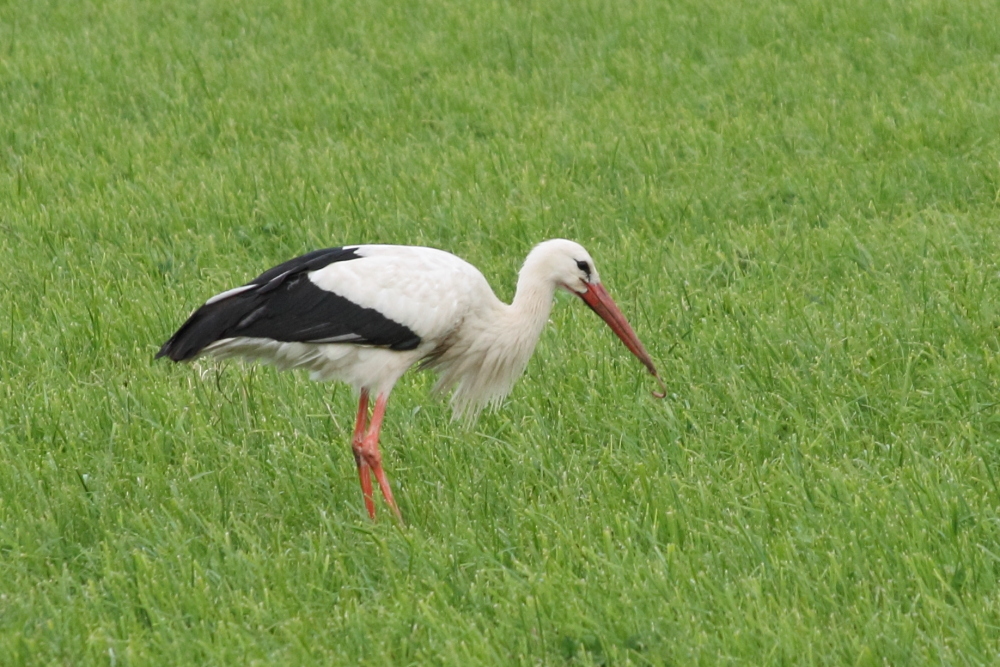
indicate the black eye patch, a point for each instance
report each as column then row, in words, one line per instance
column 583, row 266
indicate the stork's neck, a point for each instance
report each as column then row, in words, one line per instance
column 529, row 311
column 498, row 351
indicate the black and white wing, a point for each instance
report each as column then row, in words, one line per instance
column 286, row 304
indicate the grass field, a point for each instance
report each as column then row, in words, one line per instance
column 796, row 203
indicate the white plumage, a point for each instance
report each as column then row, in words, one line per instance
column 368, row 313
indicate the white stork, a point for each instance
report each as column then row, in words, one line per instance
column 365, row 314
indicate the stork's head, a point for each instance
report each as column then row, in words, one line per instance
column 570, row 267
column 565, row 264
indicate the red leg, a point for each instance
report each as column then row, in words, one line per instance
column 361, row 423
column 357, row 444
column 372, row 456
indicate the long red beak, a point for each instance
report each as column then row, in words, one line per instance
column 601, row 303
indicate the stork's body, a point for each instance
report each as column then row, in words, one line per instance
column 365, row 314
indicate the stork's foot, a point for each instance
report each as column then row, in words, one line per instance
column 369, row 460
column 364, row 474
column 357, row 441
column 367, row 456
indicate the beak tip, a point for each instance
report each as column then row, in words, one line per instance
column 663, row 386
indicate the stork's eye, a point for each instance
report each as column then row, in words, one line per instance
column 583, row 266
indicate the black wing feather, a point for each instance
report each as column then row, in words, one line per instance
column 286, row 306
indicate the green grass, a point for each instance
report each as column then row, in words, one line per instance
column 796, row 203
